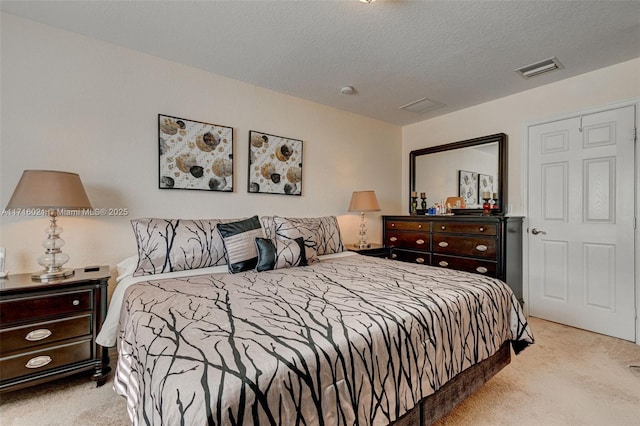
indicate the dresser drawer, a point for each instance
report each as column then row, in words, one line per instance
column 466, row 228
column 32, row 308
column 410, row 240
column 27, row 336
column 408, row 225
column 411, row 256
column 465, row 246
column 465, row 264
column 44, row 359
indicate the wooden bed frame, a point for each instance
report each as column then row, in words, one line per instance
column 435, row 406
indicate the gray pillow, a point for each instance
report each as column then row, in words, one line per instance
column 167, row 245
column 327, row 237
column 289, row 230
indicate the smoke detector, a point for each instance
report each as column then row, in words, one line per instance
column 348, row 90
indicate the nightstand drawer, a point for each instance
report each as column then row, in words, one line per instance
column 44, row 333
column 466, row 228
column 415, row 240
column 411, row 256
column 408, row 225
column 31, row 308
column 45, row 359
column 465, row 246
column 464, row 264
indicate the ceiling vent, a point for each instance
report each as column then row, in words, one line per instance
column 422, row 105
column 541, row 67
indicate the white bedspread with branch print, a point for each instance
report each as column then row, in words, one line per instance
column 352, row 340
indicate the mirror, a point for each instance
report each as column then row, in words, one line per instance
column 465, row 169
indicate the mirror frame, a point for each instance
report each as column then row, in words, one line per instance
column 501, row 138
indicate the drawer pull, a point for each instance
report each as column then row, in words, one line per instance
column 75, row 302
column 443, row 244
column 393, row 239
column 393, row 225
column 420, row 226
column 443, row 263
column 481, row 247
column 394, row 256
column 420, row 260
column 420, row 242
column 481, row 229
column 443, row 227
column 482, row 269
column 39, row 361
column 39, row 334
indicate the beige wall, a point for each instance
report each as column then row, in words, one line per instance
column 510, row 114
column 76, row 104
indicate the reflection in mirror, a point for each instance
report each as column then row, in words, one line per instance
column 467, row 169
column 438, row 174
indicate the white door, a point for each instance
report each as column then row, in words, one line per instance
column 581, row 222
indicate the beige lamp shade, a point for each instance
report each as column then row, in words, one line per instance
column 364, row 201
column 47, row 189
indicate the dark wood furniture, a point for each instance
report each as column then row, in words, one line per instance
column 375, row 250
column 488, row 245
column 435, row 406
column 48, row 329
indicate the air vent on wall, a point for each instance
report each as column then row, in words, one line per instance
column 541, row 67
column 422, row 105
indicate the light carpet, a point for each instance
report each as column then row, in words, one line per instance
column 569, row 377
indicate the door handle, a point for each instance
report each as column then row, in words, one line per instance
column 536, row 231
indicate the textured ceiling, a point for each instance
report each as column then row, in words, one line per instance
column 459, row 53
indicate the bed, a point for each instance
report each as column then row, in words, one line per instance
column 348, row 339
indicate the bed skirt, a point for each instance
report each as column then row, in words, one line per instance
column 437, row 405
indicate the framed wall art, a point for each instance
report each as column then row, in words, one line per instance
column 275, row 164
column 195, row 155
column 468, row 187
column 485, row 184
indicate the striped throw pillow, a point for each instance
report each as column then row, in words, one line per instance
column 238, row 239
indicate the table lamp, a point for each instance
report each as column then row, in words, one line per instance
column 363, row 201
column 52, row 191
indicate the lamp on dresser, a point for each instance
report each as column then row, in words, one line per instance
column 363, row 201
column 54, row 192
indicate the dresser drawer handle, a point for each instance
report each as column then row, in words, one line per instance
column 420, row 242
column 420, row 260
column 443, row 227
column 420, row 226
column 39, row 361
column 443, row 244
column 39, row 334
column 393, row 225
column 75, row 302
column 482, row 269
column 443, row 263
column 393, row 239
column 394, row 256
column 481, row 247
column 481, row 229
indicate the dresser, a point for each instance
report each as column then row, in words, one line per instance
column 48, row 329
column 487, row 245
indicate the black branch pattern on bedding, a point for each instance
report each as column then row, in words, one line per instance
column 349, row 341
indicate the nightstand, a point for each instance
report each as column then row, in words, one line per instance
column 375, row 250
column 48, row 329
